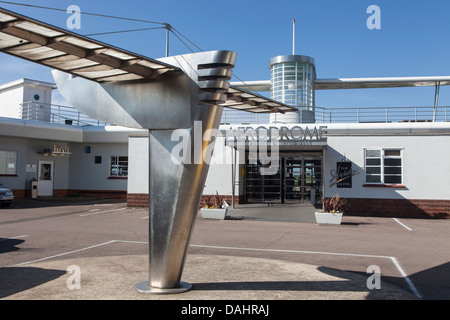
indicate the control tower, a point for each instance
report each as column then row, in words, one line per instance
column 292, row 83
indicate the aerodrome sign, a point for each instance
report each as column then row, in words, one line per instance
column 283, row 135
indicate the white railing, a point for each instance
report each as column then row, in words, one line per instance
column 351, row 115
column 56, row 114
column 69, row 115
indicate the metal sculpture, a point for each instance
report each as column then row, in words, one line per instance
column 123, row 88
column 175, row 101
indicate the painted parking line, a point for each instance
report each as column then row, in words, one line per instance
column 392, row 259
column 18, row 237
column 402, row 224
column 78, row 250
column 100, row 212
column 408, row 281
column 63, row 254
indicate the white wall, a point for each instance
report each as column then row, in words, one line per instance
column 13, row 94
column 425, row 160
column 40, row 109
column 28, row 154
column 85, row 174
column 219, row 175
column 138, row 164
column 20, row 146
column 10, row 100
column 61, row 163
column 77, row 171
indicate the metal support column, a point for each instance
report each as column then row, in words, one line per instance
column 167, row 27
column 436, row 99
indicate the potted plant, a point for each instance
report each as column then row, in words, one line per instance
column 333, row 210
column 216, row 208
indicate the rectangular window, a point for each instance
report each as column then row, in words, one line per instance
column 383, row 166
column 373, row 166
column 392, row 166
column 119, row 166
column 8, row 162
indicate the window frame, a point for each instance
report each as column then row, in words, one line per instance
column 7, row 163
column 120, row 166
column 383, row 166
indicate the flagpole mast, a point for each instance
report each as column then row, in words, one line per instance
column 293, row 37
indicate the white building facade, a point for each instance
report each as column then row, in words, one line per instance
column 39, row 143
column 383, row 169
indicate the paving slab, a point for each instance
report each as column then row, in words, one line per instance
column 213, row 277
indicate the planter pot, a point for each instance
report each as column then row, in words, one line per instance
column 328, row 218
column 218, row 214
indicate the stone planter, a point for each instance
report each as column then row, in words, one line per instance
column 218, row 214
column 328, row 218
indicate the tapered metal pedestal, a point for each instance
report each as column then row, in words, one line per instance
column 145, row 288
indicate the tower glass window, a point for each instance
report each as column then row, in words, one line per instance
column 293, row 80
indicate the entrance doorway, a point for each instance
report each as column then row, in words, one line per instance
column 298, row 179
column 45, row 178
column 302, row 178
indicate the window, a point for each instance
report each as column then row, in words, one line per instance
column 8, row 162
column 119, row 166
column 383, row 166
column 373, row 166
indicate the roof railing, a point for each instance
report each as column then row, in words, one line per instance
column 351, row 115
column 71, row 116
column 56, row 114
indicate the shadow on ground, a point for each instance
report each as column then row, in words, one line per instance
column 8, row 245
column 345, row 282
column 18, row 279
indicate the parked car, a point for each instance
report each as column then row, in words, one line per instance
column 6, row 196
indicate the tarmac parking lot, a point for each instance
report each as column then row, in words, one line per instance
column 262, row 259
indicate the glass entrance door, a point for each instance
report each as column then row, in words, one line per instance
column 302, row 178
column 298, row 179
column 313, row 179
column 262, row 188
column 293, row 179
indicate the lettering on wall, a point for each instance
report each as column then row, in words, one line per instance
column 282, row 135
column 58, row 149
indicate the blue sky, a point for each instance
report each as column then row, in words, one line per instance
column 413, row 39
